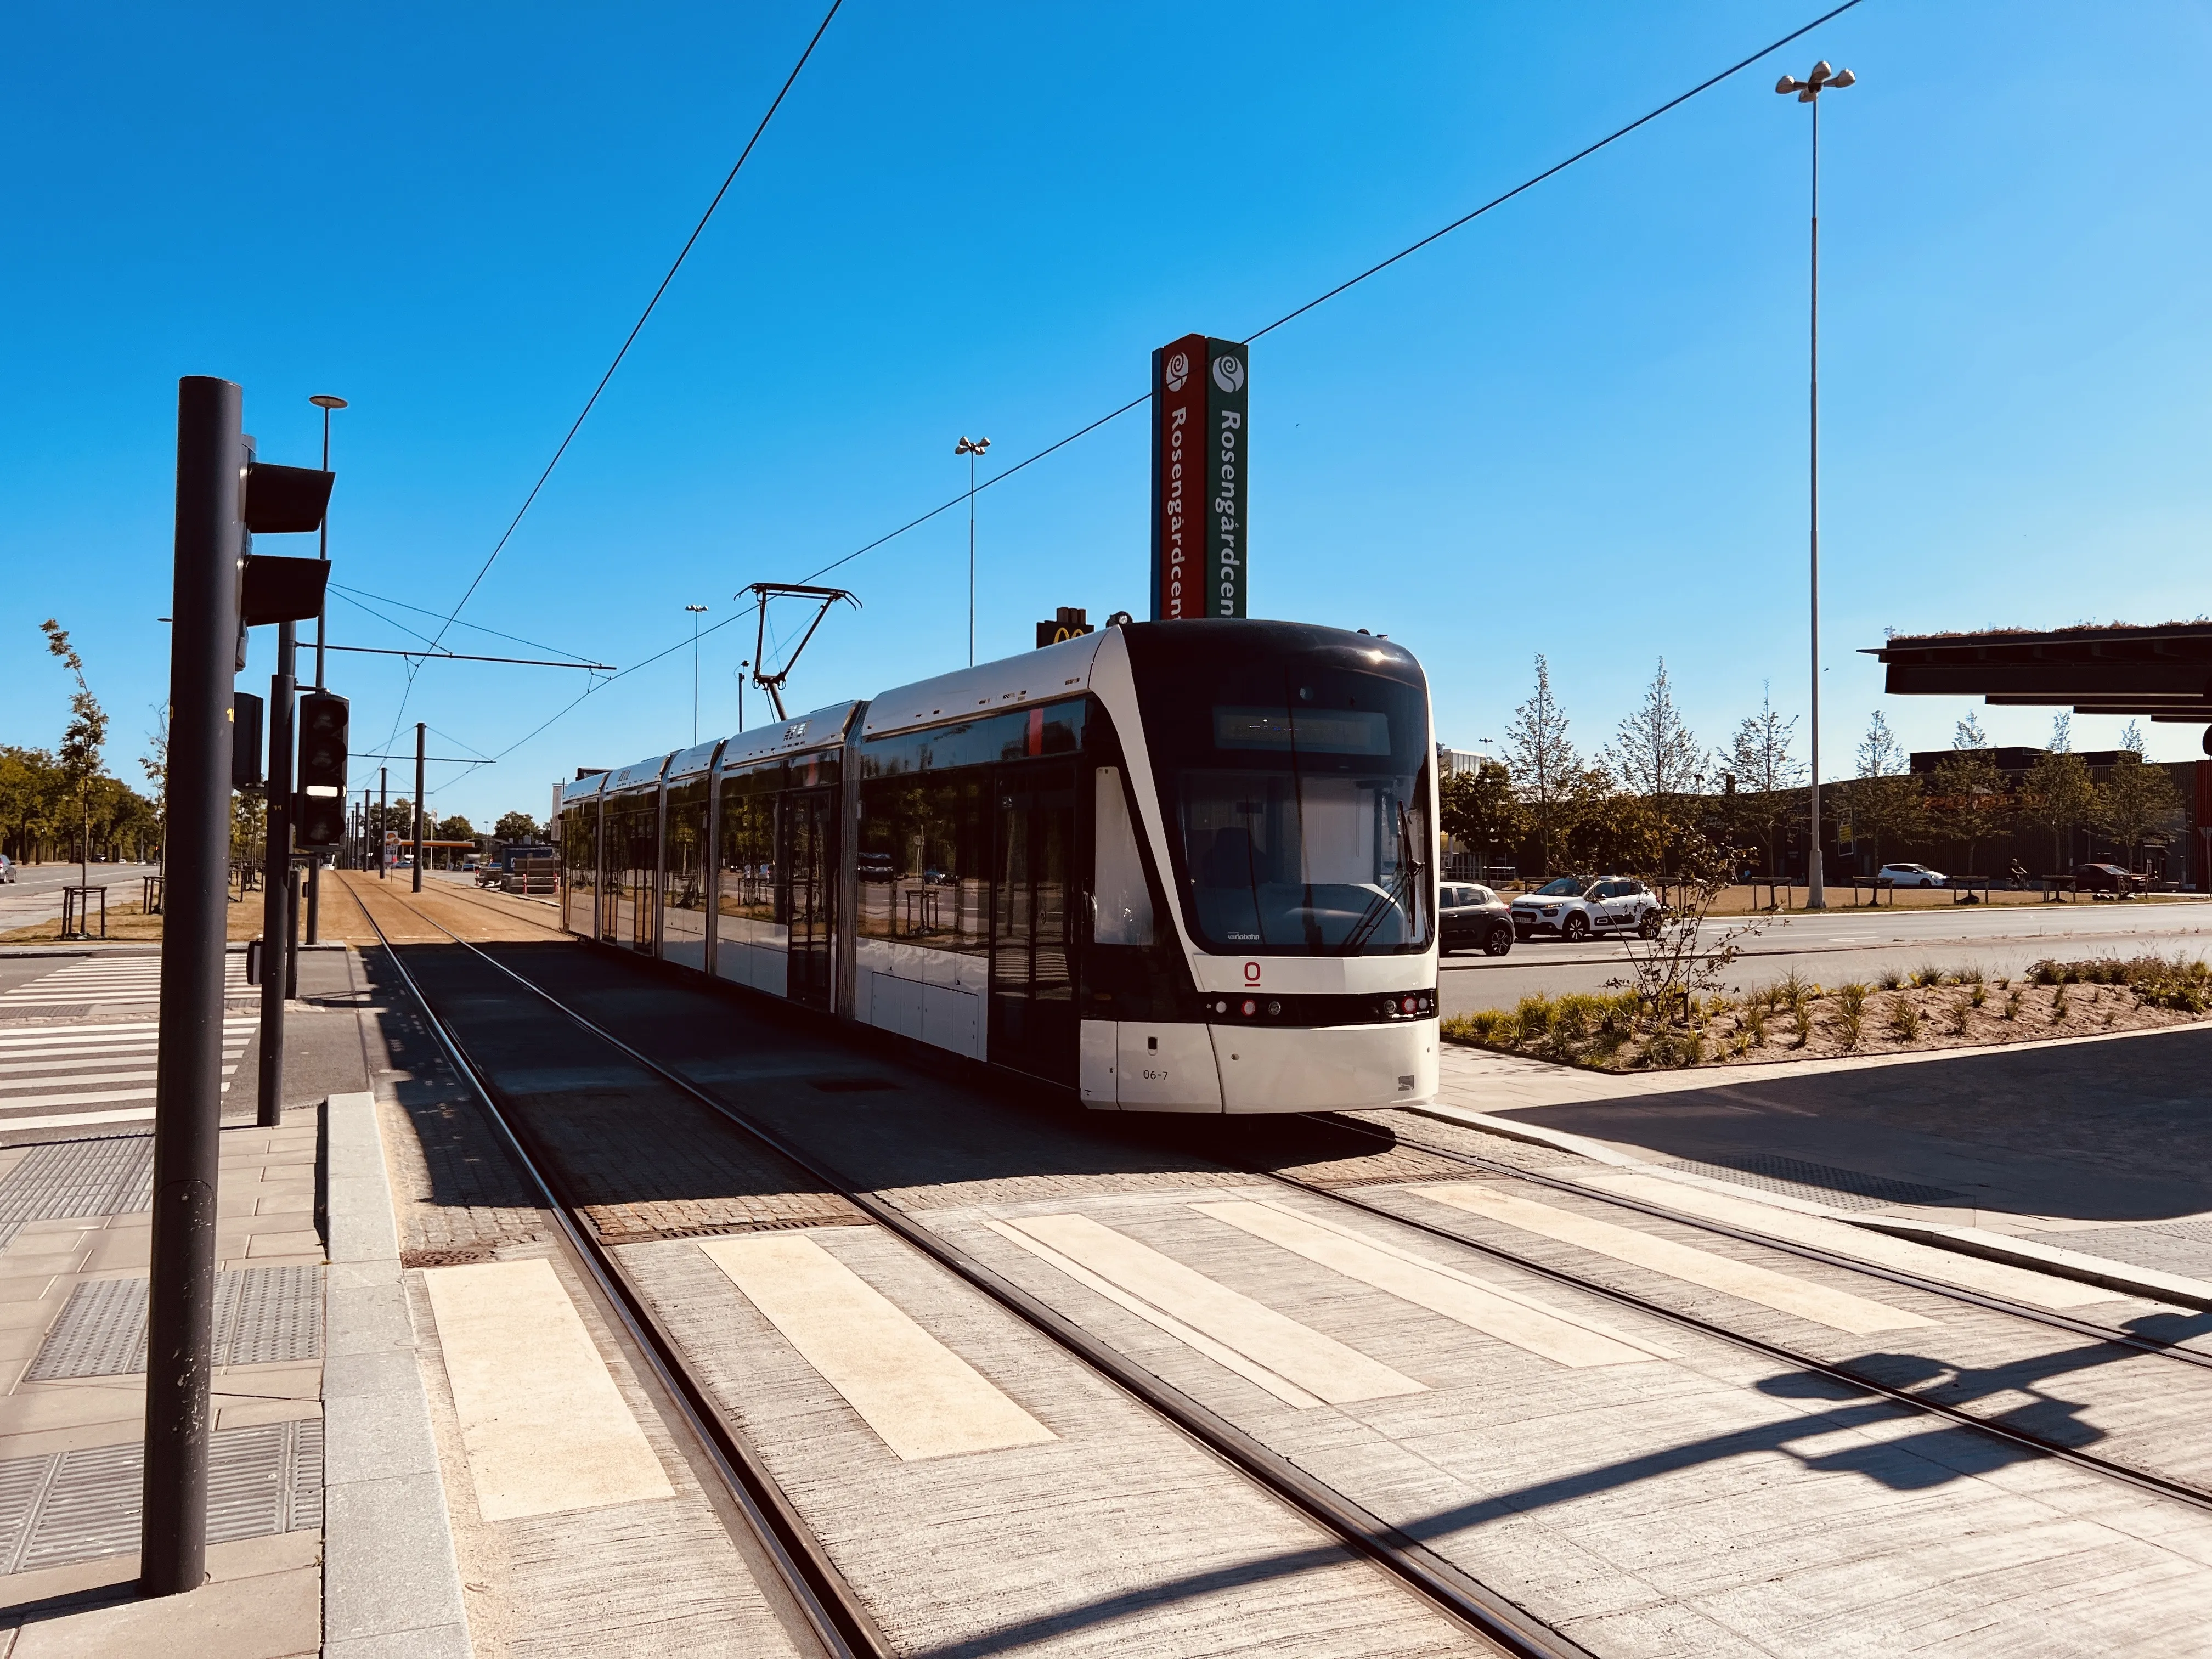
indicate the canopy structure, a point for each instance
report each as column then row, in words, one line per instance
column 2162, row 673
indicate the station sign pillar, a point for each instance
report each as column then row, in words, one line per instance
column 1201, row 508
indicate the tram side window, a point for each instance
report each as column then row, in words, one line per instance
column 925, row 860
column 1123, row 900
column 580, row 857
column 686, row 851
column 747, row 885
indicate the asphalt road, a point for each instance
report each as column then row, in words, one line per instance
column 36, row 893
column 1839, row 947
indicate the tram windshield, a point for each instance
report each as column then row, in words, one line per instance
column 1297, row 790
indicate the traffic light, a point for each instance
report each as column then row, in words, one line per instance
column 319, row 810
column 245, row 740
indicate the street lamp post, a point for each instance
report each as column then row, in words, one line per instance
column 697, row 611
column 971, row 448
column 1808, row 91
column 324, row 401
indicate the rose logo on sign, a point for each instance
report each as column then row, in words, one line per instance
column 1228, row 373
column 1178, row 371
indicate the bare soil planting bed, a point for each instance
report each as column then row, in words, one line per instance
column 1922, row 1011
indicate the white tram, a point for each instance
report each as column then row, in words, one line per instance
column 1171, row 867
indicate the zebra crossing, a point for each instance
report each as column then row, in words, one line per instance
column 66, row 1076
column 88, row 1073
column 91, row 982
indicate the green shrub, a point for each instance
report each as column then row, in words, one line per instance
column 1979, row 994
column 1890, row 978
column 1853, row 997
column 1904, row 1018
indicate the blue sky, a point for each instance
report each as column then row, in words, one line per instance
column 1576, row 426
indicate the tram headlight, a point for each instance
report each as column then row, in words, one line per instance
column 1250, row 1007
column 1274, row 1008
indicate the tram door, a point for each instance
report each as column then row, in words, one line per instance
column 807, row 895
column 1033, row 1019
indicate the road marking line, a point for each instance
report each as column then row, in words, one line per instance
column 71, row 1119
column 1837, row 1309
column 2018, row 1284
column 141, row 1030
column 921, row 1398
column 1250, row 1370
column 22, row 1076
column 1439, row 1288
column 25, row 1101
column 544, row 1428
column 1320, row 1364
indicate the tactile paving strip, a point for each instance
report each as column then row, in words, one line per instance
column 263, row 1315
column 77, row 1505
column 48, row 1010
column 1822, row 1183
column 112, row 1175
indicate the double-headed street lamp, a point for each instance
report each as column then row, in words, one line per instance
column 971, row 448
column 1808, row 91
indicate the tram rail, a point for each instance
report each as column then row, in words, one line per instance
column 1443, row 1585
column 840, row 1623
column 1960, row 1293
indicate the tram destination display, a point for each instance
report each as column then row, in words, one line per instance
column 1201, row 508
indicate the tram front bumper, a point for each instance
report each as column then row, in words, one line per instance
column 1326, row 1068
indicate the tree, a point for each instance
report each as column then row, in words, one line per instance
column 1477, row 807
column 1654, row 754
column 1885, row 799
column 2137, row 798
column 1764, row 773
column 1969, row 790
column 514, row 827
column 82, row 739
column 2059, row 795
column 1544, row 763
column 154, row 762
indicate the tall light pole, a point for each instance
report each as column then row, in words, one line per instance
column 697, row 611
column 326, row 403
column 971, row 448
column 1808, row 91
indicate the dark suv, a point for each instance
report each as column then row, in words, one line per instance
column 1474, row 919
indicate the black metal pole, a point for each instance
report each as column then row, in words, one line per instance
column 383, row 819
column 276, row 882
column 323, row 548
column 419, row 730
column 188, row 1069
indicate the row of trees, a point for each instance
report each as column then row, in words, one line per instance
column 61, row 800
column 1632, row 805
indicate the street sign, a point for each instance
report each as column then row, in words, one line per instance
column 1201, row 506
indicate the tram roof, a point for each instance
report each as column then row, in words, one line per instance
column 1051, row 670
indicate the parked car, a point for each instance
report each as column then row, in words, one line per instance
column 877, row 867
column 1474, row 919
column 1910, row 875
column 6, row 868
column 1574, row 908
column 2108, row 878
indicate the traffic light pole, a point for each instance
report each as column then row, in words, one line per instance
column 419, row 730
column 188, row 1066
column 276, row 955
column 383, row 821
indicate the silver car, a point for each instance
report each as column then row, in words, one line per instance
column 6, row 868
column 1575, row 908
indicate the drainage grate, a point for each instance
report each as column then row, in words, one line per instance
column 1846, row 1189
column 262, row 1316
column 113, row 1176
column 78, row 1505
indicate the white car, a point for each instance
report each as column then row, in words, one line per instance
column 1910, row 875
column 1574, row 908
column 6, row 868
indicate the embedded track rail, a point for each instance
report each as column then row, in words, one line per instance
column 841, row 1624
column 1445, row 1585
column 1958, row 1293
column 2144, row 1479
